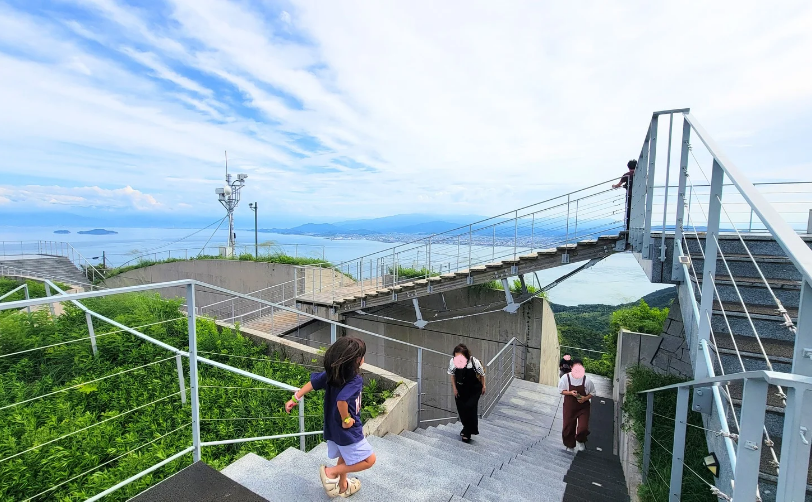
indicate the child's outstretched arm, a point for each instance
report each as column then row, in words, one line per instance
column 298, row 395
column 344, row 410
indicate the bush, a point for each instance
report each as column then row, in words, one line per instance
column 639, row 318
column 226, row 399
column 665, row 402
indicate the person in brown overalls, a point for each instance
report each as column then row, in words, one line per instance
column 577, row 390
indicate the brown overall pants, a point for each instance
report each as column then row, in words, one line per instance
column 576, row 416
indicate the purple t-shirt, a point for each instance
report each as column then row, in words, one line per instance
column 351, row 393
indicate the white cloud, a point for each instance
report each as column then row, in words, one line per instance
column 457, row 106
column 38, row 196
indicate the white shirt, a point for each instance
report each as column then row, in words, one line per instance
column 477, row 366
column 564, row 385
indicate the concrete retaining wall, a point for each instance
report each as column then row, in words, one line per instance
column 401, row 408
column 240, row 276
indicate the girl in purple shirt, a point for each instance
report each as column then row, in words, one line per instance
column 343, row 431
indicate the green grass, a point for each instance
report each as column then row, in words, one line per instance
column 58, row 368
column 634, row 413
column 269, row 258
column 413, row 273
column 515, row 287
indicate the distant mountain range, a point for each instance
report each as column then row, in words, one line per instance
column 397, row 224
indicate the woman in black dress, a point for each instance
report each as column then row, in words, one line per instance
column 468, row 383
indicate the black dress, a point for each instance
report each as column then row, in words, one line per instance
column 469, row 390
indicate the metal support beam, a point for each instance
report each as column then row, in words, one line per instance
column 647, row 438
column 795, row 454
column 524, row 284
column 652, row 157
column 711, row 253
column 678, row 450
column 676, row 266
column 333, row 333
column 193, row 384
column 181, row 382
column 638, row 209
column 92, row 333
column 511, row 306
column 748, row 453
column 420, row 323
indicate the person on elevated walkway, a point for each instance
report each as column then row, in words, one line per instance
column 577, row 391
column 468, row 383
column 626, row 181
column 343, row 431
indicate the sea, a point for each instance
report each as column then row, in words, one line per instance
column 617, row 279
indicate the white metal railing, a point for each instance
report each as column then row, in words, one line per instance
column 500, row 369
column 703, row 219
column 312, row 251
column 583, row 214
column 52, row 248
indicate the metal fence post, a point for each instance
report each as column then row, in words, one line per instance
column 709, row 271
column 638, row 210
column 515, row 232
column 678, row 449
column 748, row 452
column 795, row 454
column 190, row 310
column 27, row 296
column 419, row 384
column 333, row 333
column 181, row 383
column 567, row 241
column 302, row 439
column 92, row 333
column 652, row 157
column 676, row 266
column 48, row 293
column 667, row 177
column 647, row 437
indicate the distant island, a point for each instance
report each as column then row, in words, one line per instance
column 97, row 231
column 61, row 231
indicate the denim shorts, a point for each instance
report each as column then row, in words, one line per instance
column 351, row 453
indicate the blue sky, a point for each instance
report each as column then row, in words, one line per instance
column 349, row 109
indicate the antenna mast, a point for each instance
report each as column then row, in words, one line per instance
column 229, row 197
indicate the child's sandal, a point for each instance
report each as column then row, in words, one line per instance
column 353, row 485
column 330, row 485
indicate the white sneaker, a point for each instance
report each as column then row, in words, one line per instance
column 581, row 446
column 570, row 450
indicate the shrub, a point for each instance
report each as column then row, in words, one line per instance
column 665, row 402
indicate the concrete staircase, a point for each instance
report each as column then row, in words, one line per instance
column 280, row 323
column 777, row 340
column 371, row 293
column 518, row 456
column 56, row 268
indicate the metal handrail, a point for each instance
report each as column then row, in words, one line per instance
column 796, row 249
column 508, row 344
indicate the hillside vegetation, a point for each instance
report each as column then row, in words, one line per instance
column 103, row 419
column 595, row 327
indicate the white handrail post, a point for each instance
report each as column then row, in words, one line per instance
column 333, row 333
column 190, row 310
column 513, row 359
column 419, row 384
column 50, row 305
column 809, row 223
column 676, row 266
column 647, row 437
column 667, row 177
column 709, row 271
column 678, row 449
column 795, row 454
column 302, row 439
column 515, row 232
column 748, row 453
column 27, row 296
column 637, row 212
column 92, row 333
column 181, row 383
column 652, row 158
